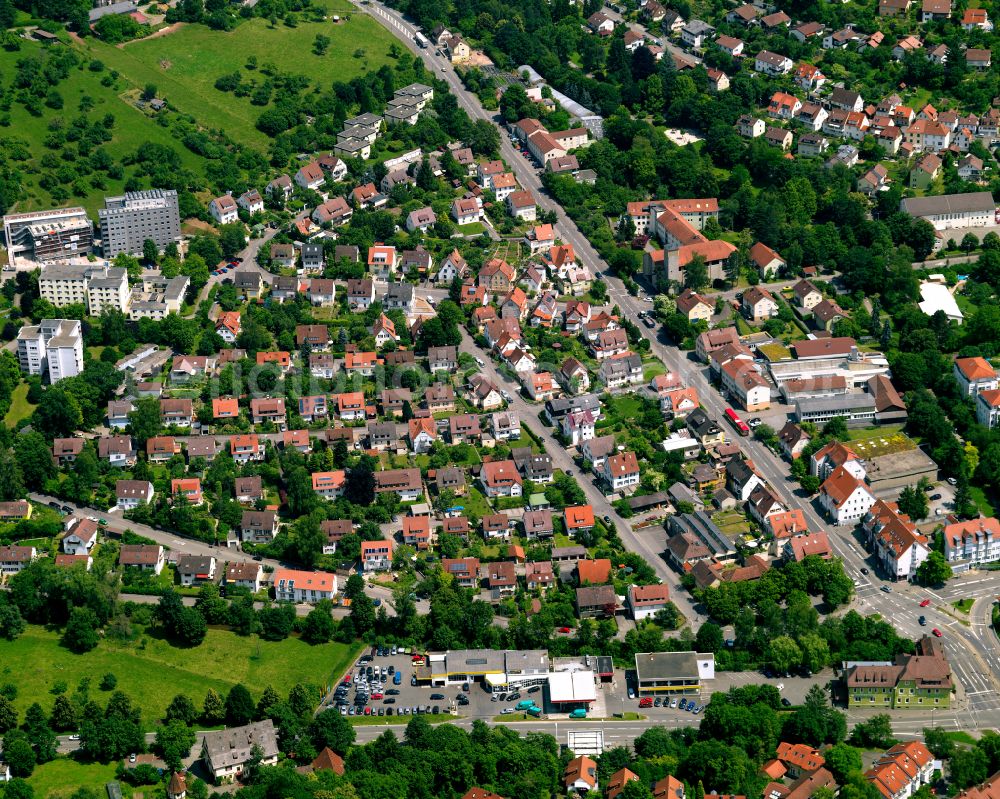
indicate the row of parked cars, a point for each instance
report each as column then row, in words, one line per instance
column 690, row 705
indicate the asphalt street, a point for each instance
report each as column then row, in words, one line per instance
column 972, row 648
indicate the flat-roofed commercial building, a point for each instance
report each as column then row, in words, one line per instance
column 569, row 689
column 673, row 673
column 129, row 220
column 570, row 682
column 49, row 235
column 857, row 409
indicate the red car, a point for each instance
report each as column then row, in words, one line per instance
column 564, row 629
column 925, row 603
column 368, row 710
column 415, row 658
column 646, row 701
column 347, row 679
column 376, row 695
column 936, row 632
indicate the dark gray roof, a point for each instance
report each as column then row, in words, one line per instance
column 948, row 204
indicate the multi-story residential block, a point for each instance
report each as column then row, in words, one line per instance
column 291, row 585
column 53, row 347
column 988, row 408
column 898, row 546
column 921, row 680
column 51, row 235
column 844, row 497
column 96, row 287
column 975, row 375
column 376, row 555
column 137, row 216
column 902, row 770
column 973, row 542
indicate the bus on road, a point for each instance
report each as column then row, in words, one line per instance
column 737, row 422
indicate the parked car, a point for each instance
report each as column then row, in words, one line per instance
column 646, row 701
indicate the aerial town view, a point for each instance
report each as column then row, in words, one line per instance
column 537, row 399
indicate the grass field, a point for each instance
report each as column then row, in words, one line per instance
column 20, row 408
column 982, row 501
column 131, row 129
column 62, row 776
column 153, row 675
column 185, row 64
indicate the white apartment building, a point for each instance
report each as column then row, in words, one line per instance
column 96, row 287
column 844, row 497
column 976, row 541
column 975, row 375
column 55, row 347
column 988, row 408
column 291, row 585
column 158, row 297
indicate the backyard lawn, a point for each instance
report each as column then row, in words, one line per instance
column 152, row 672
column 62, row 776
column 20, row 408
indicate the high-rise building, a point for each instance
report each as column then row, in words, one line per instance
column 49, row 235
column 129, row 220
column 54, row 346
column 95, row 286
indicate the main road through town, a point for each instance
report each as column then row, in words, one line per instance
column 971, row 645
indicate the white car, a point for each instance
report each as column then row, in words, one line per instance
column 480, row 362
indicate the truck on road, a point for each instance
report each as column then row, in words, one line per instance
column 421, row 40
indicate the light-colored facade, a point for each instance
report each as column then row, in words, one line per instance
column 975, row 542
column 55, row 346
column 96, row 287
column 302, row 586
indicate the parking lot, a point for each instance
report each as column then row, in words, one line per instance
column 380, row 692
column 380, row 695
